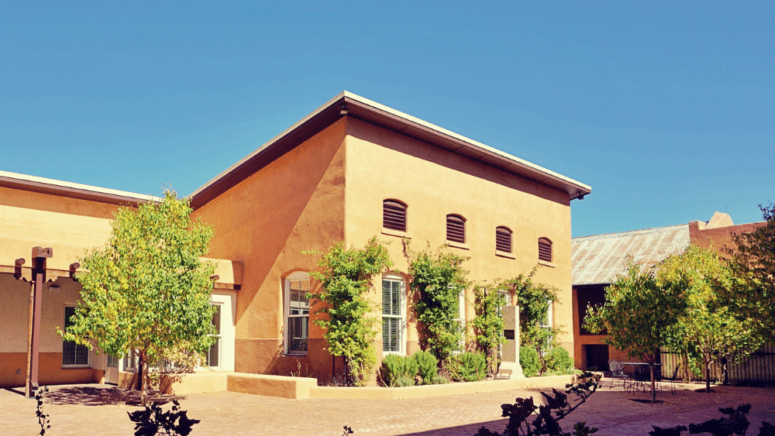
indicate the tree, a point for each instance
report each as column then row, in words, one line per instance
column 349, row 326
column 439, row 279
column 147, row 290
column 638, row 314
column 753, row 291
column 708, row 328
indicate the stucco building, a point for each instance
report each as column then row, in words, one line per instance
column 350, row 170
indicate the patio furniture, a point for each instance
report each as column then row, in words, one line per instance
column 617, row 372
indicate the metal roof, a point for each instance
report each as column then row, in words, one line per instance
column 69, row 189
column 349, row 104
column 599, row 259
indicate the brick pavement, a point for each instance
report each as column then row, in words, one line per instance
column 229, row 413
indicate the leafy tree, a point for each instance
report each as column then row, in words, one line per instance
column 349, row 327
column 708, row 328
column 534, row 300
column 439, row 278
column 147, row 289
column 753, row 292
column 488, row 325
column 638, row 314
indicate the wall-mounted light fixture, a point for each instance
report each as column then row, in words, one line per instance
column 343, row 109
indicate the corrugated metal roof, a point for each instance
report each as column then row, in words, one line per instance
column 600, row 259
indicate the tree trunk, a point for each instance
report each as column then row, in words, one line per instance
column 653, row 384
column 707, row 376
column 141, row 370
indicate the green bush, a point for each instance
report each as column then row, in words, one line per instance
column 428, row 366
column 398, row 370
column 559, row 362
column 529, row 360
column 467, row 367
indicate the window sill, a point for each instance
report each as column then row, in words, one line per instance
column 295, row 354
column 399, row 233
column 545, row 263
column 76, row 366
column 505, row 254
column 458, row 245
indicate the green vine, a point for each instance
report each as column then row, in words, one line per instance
column 488, row 324
column 348, row 322
column 534, row 300
column 438, row 278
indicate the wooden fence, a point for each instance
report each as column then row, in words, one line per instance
column 758, row 368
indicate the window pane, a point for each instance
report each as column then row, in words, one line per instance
column 217, row 319
column 68, row 353
column 297, row 341
column 213, row 353
column 386, row 298
column 395, row 297
column 81, row 355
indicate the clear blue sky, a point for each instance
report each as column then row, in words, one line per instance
column 666, row 109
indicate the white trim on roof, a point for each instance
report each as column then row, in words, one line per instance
column 63, row 184
column 406, row 117
column 460, row 137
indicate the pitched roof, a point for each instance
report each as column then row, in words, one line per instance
column 349, row 104
column 72, row 190
column 599, row 259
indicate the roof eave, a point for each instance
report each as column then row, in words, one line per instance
column 389, row 118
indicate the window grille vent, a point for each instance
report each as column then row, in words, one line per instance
column 544, row 250
column 456, row 229
column 503, row 239
column 394, row 215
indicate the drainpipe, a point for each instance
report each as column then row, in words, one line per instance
column 39, row 256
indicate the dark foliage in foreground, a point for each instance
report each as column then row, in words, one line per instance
column 547, row 420
column 43, row 420
column 152, row 420
column 735, row 423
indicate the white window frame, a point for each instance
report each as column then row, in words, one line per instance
column 549, row 317
column 217, row 337
column 401, row 316
column 297, row 276
column 130, row 361
column 75, row 350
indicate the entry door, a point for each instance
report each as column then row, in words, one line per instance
column 111, row 372
column 597, row 357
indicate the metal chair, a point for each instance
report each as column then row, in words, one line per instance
column 617, row 372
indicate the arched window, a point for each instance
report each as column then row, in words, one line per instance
column 297, row 285
column 393, row 314
column 503, row 239
column 544, row 249
column 394, row 215
column 456, row 228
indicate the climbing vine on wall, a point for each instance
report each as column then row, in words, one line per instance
column 488, row 324
column 438, row 279
column 533, row 300
column 348, row 322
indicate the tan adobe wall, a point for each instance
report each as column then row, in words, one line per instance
column 382, row 164
column 13, row 337
column 295, row 203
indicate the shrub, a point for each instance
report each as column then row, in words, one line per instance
column 398, row 370
column 559, row 362
column 529, row 360
column 428, row 366
column 468, row 367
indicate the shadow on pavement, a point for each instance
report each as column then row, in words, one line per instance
column 102, row 396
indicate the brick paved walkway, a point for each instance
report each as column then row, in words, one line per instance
column 241, row 414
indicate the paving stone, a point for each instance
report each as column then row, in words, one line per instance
column 102, row 410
